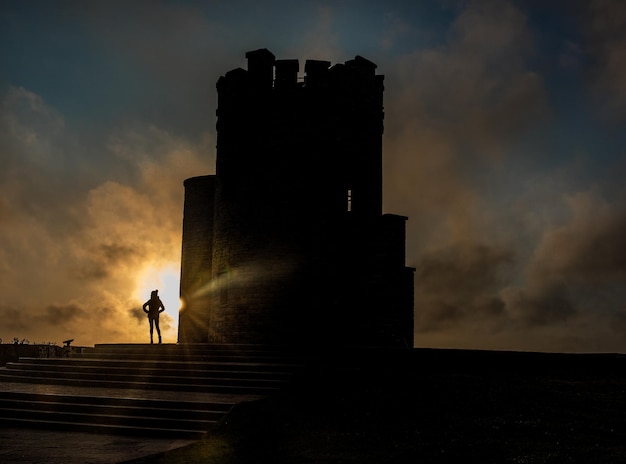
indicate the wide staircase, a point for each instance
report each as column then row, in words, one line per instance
column 169, row 389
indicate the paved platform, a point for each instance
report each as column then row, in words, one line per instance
column 25, row 446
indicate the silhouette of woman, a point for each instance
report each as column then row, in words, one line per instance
column 155, row 307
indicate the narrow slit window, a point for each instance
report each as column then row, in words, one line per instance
column 349, row 200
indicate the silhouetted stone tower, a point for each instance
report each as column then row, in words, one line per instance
column 287, row 242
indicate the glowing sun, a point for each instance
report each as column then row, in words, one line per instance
column 165, row 279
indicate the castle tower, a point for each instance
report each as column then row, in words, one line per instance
column 287, row 243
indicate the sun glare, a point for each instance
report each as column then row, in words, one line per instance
column 166, row 280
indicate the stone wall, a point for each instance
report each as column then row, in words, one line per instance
column 196, row 257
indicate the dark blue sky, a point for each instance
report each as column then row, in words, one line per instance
column 504, row 144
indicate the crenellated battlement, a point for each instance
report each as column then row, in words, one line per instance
column 265, row 72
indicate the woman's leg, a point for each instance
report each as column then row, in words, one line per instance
column 156, row 323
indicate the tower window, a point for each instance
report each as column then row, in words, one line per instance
column 349, row 200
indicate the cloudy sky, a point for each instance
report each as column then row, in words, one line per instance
column 504, row 144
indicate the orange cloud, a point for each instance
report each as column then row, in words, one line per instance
column 72, row 256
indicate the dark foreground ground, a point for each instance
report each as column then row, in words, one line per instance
column 431, row 406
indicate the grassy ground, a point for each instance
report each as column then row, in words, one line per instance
column 405, row 413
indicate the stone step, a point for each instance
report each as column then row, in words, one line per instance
column 134, row 368
column 198, row 349
column 195, row 348
column 167, row 364
column 181, row 418
column 87, row 427
column 34, row 370
column 195, row 353
column 183, row 357
column 193, row 402
column 101, row 415
column 167, row 384
column 198, row 409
